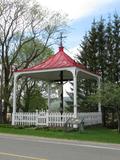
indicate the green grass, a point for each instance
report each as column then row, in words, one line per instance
column 97, row 134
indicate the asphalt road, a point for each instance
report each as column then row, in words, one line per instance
column 14, row 147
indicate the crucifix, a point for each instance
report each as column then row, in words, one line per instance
column 61, row 39
column 61, row 76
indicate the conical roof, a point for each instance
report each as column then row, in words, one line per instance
column 59, row 60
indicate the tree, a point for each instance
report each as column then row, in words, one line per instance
column 109, row 95
column 88, row 57
column 33, row 99
column 28, row 86
column 100, row 52
column 21, row 22
column 84, row 89
column 116, row 47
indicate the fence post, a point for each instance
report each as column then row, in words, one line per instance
column 13, row 119
column 47, row 118
column 36, row 117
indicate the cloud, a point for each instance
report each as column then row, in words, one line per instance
column 75, row 8
column 72, row 52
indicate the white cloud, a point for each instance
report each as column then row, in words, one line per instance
column 72, row 52
column 75, row 8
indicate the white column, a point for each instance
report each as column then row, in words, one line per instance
column 49, row 96
column 75, row 93
column 14, row 99
column 99, row 103
column 47, row 118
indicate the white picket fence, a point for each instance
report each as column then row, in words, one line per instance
column 54, row 119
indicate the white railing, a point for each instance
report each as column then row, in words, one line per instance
column 54, row 119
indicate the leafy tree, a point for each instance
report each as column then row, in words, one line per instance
column 109, row 51
column 116, row 48
column 101, row 55
column 108, row 94
column 100, row 52
column 33, row 100
column 23, row 21
column 100, row 48
column 83, row 91
column 27, row 86
column 88, row 57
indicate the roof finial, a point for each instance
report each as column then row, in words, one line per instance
column 61, row 39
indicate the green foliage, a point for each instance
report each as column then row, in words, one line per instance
column 100, row 52
column 35, row 100
column 109, row 96
column 100, row 48
column 30, row 91
column 34, row 49
column 26, row 31
column 83, row 91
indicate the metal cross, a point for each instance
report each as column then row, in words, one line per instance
column 61, row 39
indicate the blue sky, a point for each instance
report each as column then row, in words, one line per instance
column 80, row 26
column 81, row 14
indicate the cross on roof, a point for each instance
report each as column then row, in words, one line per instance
column 61, row 39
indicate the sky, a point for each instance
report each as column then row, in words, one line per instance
column 81, row 14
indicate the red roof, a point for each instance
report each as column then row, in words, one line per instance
column 59, row 60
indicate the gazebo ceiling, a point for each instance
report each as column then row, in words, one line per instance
column 49, row 75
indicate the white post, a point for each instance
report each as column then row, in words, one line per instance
column 36, row 117
column 48, row 96
column 75, row 93
column 99, row 103
column 47, row 118
column 14, row 99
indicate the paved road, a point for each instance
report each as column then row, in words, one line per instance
column 14, row 147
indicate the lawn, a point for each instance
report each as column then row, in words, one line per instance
column 98, row 134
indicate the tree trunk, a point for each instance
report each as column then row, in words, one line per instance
column 6, row 105
column 6, row 95
column 27, row 101
column 103, row 116
column 1, row 111
column 118, row 116
column 5, row 113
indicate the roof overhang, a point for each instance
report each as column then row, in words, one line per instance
column 54, row 74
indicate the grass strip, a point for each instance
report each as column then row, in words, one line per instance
column 97, row 134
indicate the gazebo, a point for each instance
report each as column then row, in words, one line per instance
column 58, row 68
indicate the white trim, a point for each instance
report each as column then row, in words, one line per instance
column 14, row 99
column 14, row 93
column 49, row 93
column 71, row 69
column 47, row 70
column 75, row 92
column 89, row 73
